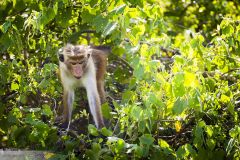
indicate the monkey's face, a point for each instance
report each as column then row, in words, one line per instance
column 76, row 59
column 77, row 65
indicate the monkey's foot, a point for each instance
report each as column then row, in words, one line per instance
column 60, row 119
column 61, row 122
column 101, row 125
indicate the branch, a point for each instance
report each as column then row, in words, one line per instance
column 231, row 70
column 9, row 96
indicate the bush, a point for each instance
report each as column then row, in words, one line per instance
column 173, row 78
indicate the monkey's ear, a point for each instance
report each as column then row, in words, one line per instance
column 88, row 55
column 61, row 57
column 89, row 52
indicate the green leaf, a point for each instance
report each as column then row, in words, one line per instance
column 134, row 50
column 14, row 3
column 178, row 85
column 225, row 99
column 106, row 111
column 14, row 115
column 55, row 8
column 5, row 26
column 47, row 15
column 69, row 144
column 47, row 110
column 179, row 106
column 63, row 18
column 230, row 145
column 209, row 130
column 228, row 30
column 190, row 80
column 44, row 84
column 142, row 126
column 139, row 72
column 111, row 26
column 181, row 153
column 118, row 50
column 138, row 151
column 234, row 132
column 14, row 86
column 136, row 113
column 211, row 143
column 6, row 41
column 165, row 147
column 162, row 143
column 106, row 132
column 210, row 83
column 146, row 139
column 127, row 96
column 197, row 41
column 96, row 147
column 93, row 130
column 100, row 23
column 198, row 134
column 153, row 99
column 179, row 59
column 185, row 151
column 112, row 139
column 119, row 146
column 138, row 30
column 118, row 9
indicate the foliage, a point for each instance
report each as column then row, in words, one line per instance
column 173, row 78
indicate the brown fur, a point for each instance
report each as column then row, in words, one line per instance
column 100, row 60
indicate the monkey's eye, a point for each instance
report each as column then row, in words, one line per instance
column 81, row 62
column 73, row 63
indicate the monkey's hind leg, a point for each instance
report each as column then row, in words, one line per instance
column 101, row 91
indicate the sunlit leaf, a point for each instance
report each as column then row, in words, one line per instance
column 106, row 111
column 179, row 106
column 14, row 86
column 230, row 145
column 106, row 132
column 190, row 80
column 5, row 26
column 111, row 26
column 146, row 139
column 211, row 143
column 178, row 85
column 47, row 110
column 118, row 9
column 136, row 112
column 92, row 130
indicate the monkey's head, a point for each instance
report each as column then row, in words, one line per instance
column 75, row 58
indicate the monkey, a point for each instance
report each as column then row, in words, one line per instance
column 83, row 66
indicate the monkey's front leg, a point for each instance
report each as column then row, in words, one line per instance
column 94, row 102
column 68, row 98
column 101, row 91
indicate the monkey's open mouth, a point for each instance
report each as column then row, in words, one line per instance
column 78, row 77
